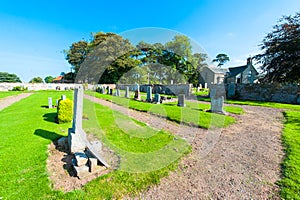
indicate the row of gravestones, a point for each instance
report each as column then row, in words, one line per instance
column 50, row 104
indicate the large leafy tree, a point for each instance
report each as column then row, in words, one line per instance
column 36, row 80
column 221, row 59
column 49, row 79
column 9, row 78
column 281, row 52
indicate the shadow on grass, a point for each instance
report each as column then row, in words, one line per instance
column 50, row 117
column 47, row 134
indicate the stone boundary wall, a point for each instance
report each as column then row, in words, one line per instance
column 37, row 86
column 264, row 92
column 174, row 89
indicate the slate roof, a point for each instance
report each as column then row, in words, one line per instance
column 219, row 70
column 234, row 71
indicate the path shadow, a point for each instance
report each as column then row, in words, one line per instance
column 50, row 117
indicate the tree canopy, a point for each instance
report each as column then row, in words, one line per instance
column 109, row 58
column 281, row 52
column 9, row 78
column 221, row 59
column 48, row 79
column 36, row 80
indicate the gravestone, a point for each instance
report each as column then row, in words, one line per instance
column 111, row 91
column 108, row 90
column 149, row 94
column 198, row 89
column 217, row 101
column 231, row 90
column 57, row 102
column 103, row 90
column 157, row 98
column 205, row 85
column 63, row 97
column 127, row 92
column 77, row 141
column 137, row 94
column 49, row 102
column 118, row 92
column 181, row 99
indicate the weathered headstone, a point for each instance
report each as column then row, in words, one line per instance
column 111, row 91
column 198, row 89
column 63, row 97
column 181, row 99
column 231, row 90
column 149, row 93
column 127, row 92
column 77, row 140
column 118, row 92
column 103, row 90
column 157, row 98
column 49, row 102
column 137, row 94
column 108, row 90
column 217, row 101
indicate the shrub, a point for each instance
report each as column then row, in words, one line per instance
column 64, row 111
column 19, row 88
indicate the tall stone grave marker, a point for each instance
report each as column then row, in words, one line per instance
column 181, row 99
column 127, row 92
column 157, row 98
column 49, row 102
column 137, row 94
column 149, row 94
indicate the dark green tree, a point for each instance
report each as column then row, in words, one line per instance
column 9, row 78
column 281, row 52
column 36, row 80
column 48, row 79
column 221, row 59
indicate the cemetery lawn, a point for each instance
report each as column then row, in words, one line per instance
column 10, row 93
column 193, row 114
column 27, row 128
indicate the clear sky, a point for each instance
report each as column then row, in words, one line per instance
column 33, row 34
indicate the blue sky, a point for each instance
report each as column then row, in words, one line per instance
column 33, row 34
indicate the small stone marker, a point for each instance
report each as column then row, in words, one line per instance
column 157, row 98
column 127, row 92
column 63, row 97
column 149, row 93
column 49, row 102
column 198, row 89
column 181, row 98
column 205, row 85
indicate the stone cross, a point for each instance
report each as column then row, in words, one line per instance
column 50, row 102
column 181, row 99
column 149, row 93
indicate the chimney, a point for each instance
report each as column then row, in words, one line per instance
column 249, row 61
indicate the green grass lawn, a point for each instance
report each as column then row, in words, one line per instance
column 9, row 93
column 194, row 113
column 27, row 127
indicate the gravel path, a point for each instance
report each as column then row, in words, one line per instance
column 7, row 101
column 238, row 162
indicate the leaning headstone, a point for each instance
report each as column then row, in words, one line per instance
column 63, row 97
column 127, row 92
column 231, row 90
column 157, row 98
column 181, row 99
column 149, row 94
column 50, row 102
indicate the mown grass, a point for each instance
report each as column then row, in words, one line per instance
column 27, row 128
column 9, row 93
column 290, row 182
column 194, row 113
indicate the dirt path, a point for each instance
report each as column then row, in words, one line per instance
column 7, row 101
column 238, row 162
